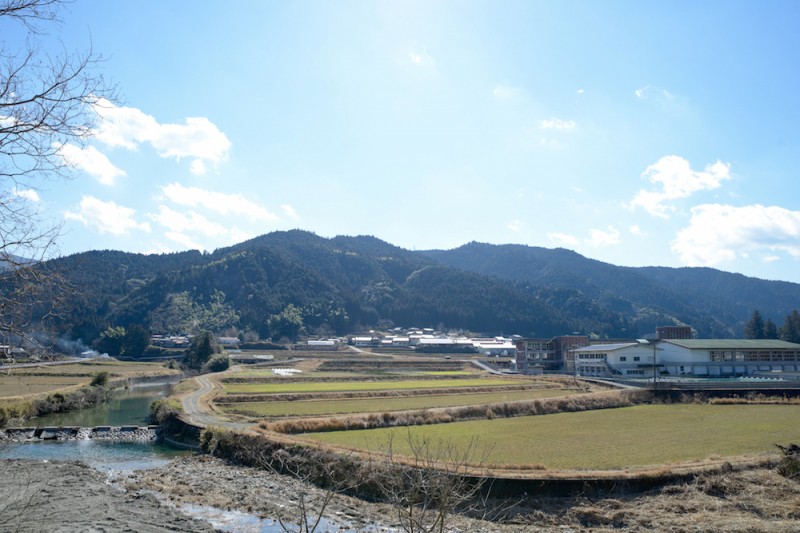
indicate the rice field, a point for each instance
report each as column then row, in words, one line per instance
column 43, row 379
column 278, row 387
column 639, row 436
column 367, row 405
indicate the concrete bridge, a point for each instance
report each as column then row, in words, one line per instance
column 113, row 433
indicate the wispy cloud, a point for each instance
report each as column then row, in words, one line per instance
column 219, row 202
column 514, row 225
column 92, row 161
column 504, row 92
column 598, row 237
column 650, row 92
column 106, row 217
column 289, row 211
column 676, row 179
column 197, row 138
column 27, row 194
column 562, row 239
column 721, row 233
column 557, row 124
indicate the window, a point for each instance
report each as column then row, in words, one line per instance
column 636, row 358
column 623, row 358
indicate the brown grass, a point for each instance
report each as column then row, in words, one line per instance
column 585, row 402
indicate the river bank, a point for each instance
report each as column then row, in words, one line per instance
column 40, row 496
column 43, row 496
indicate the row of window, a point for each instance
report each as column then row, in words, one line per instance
column 754, row 355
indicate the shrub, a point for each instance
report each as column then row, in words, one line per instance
column 789, row 467
column 217, row 363
column 100, row 379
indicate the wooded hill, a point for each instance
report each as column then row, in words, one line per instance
column 347, row 284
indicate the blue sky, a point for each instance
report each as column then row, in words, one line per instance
column 637, row 133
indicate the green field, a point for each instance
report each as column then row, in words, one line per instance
column 350, row 386
column 645, row 435
column 380, row 405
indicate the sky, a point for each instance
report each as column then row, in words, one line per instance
column 635, row 133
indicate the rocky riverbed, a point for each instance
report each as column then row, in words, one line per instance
column 54, row 496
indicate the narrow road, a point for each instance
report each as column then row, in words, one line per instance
column 194, row 410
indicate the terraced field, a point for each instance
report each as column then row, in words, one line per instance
column 606, row 439
column 328, row 406
column 286, row 387
column 16, row 382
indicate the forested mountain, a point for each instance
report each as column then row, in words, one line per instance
column 346, row 284
column 717, row 304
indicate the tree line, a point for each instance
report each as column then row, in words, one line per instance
column 759, row 328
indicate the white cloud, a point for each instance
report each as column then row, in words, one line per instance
column 184, row 240
column 91, row 161
column 676, row 179
column 771, row 258
column 27, row 194
column 222, row 203
column 650, row 92
column 421, row 58
column 106, row 217
column 599, row 237
column 635, row 230
column 514, row 225
column 580, row 91
column 198, row 167
column 562, row 239
column 721, row 233
column 557, row 124
column 289, row 211
column 129, row 127
column 504, row 92
column 187, row 222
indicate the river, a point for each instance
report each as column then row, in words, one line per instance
column 131, row 407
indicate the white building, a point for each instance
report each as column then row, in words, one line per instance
column 728, row 357
column 688, row 357
column 634, row 359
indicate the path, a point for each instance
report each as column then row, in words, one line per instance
column 196, row 411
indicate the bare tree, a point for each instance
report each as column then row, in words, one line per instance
column 45, row 104
column 432, row 480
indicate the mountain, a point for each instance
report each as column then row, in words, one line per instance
column 717, row 304
column 346, row 284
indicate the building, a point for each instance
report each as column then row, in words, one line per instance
column 688, row 357
column 674, row 332
column 553, row 354
column 626, row 359
column 728, row 357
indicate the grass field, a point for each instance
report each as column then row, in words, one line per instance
column 345, row 386
column 644, row 435
column 43, row 379
column 344, row 406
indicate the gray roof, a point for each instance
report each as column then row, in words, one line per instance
column 605, row 347
column 734, row 344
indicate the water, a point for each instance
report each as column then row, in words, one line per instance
column 106, row 456
column 128, row 407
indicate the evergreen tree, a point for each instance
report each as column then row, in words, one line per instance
column 201, row 349
column 754, row 329
column 791, row 327
column 770, row 330
column 135, row 341
column 111, row 341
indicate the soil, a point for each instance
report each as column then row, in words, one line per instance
column 38, row 496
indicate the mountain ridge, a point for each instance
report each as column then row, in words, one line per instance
column 345, row 284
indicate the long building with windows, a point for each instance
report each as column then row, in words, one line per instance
column 728, row 357
column 688, row 357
